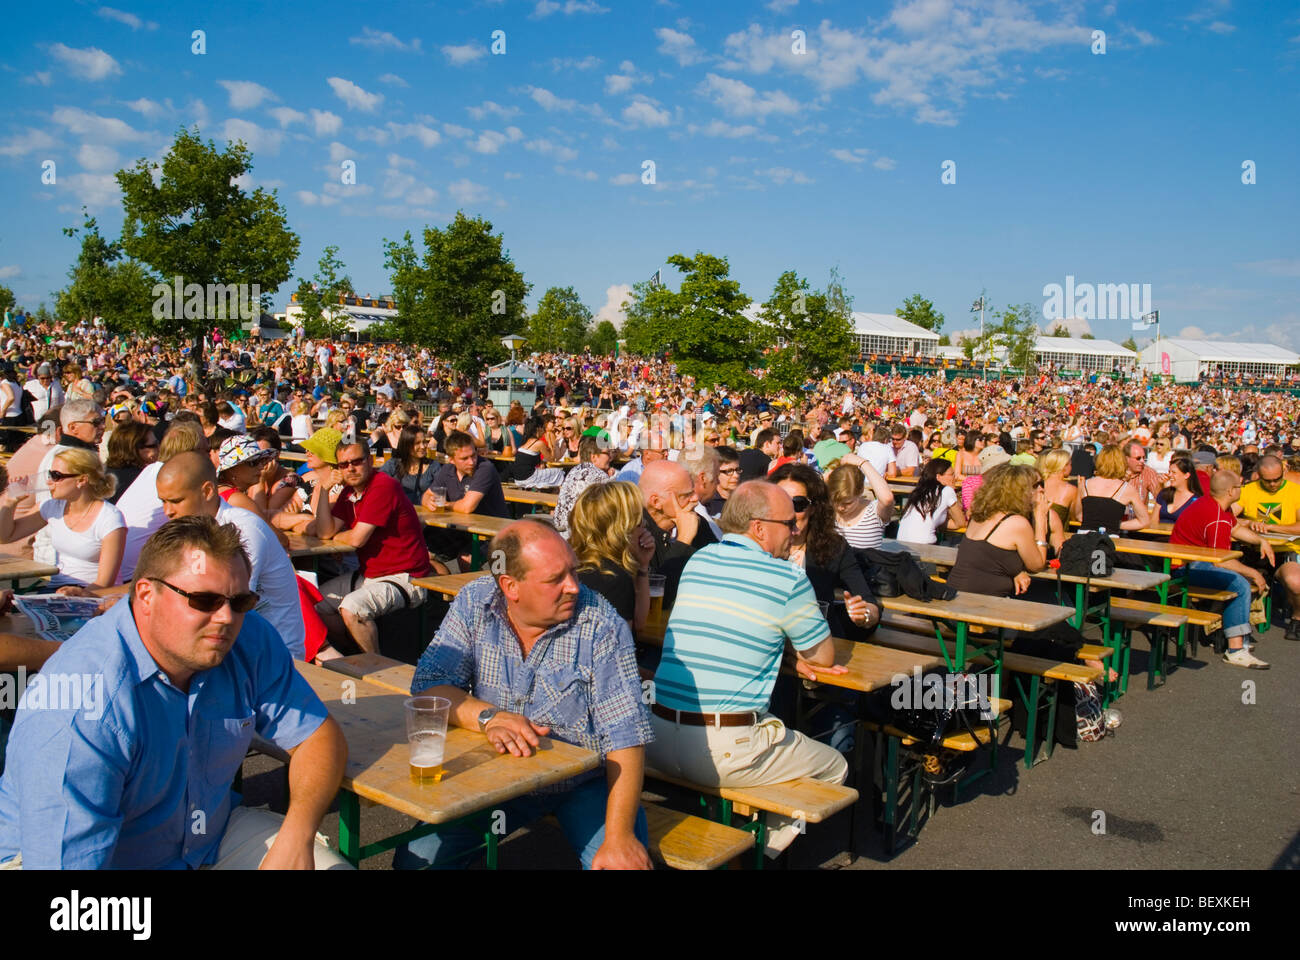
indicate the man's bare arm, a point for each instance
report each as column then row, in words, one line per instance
column 315, row 772
column 29, row 653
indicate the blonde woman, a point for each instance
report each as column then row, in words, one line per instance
column 301, row 425
column 608, row 536
column 1104, row 496
column 1054, row 466
column 88, row 532
column 857, row 519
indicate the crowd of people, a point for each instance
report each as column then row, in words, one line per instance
column 750, row 514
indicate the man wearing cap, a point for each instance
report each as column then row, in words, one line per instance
column 765, row 421
column 45, row 390
column 373, row 516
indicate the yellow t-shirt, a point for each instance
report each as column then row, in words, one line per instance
column 1279, row 506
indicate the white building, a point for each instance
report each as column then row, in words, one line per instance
column 1075, row 353
column 1192, row 360
column 360, row 312
column 882, row 335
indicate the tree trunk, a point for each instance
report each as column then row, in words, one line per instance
column 197, row 372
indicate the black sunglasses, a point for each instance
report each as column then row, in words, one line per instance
column 206, row 601
column 801, row 504
column 55, row 476
column 345, row 464
column 792, row 523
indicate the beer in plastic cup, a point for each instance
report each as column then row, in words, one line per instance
column 439, row 497
column 426, row 733
column 657, row 581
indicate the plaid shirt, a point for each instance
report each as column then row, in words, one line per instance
column 580, row 678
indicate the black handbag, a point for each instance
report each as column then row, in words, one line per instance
column 1088, row 554
column 893, row 573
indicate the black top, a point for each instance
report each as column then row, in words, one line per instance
column 671, row 554
column 125, row 477
column 525, row 464
column 714, row 505
column 1082, row 463
column 843, row 572
column 614, row 584
column 483, row 480
column 984, row 568
column 753, row 464
column 1099, row 512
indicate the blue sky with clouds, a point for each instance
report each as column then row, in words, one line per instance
column 775, row 150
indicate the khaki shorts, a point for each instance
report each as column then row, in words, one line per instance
column 370, row 599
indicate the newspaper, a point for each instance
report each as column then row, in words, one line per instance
column 56, row 617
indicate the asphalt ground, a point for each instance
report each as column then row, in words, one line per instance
column 1196, row 777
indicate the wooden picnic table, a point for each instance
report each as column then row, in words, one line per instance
column 14, row 569
column 476, row 778
column 534, row 498
column 301, row 545
column 447, row 585
column 477, row 524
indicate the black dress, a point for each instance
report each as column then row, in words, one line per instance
column 1101, row 512
column 614, row 584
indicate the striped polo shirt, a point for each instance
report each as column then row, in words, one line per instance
column 736, row 607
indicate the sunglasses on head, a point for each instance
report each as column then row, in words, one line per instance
column 205, row 601
column 355, row 462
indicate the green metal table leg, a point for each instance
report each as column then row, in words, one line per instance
column 1031, row 726
column 490, row 840
column 1080, row 606
column 350, row 827
column 891, row 795
column 960, row 657
column 1049, row 734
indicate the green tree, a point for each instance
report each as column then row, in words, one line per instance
column 920, row 311
column 43, row 314
column 1130, row 344
column 560, row 322
column 199, row 224
column 816, row 340
column 462, row 296
column 103, row 283
column 1017, row 331
column 1058, row 331
column 320, row 296
column 944, row 340
column 1086, row 336
column 702, row 325
column 6, row 297
column 603, row 339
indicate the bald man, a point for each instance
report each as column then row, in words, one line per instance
column 187, row 487
column 544, row 656
column 670, row 498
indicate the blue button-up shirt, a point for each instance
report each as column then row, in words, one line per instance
column 579, row 679
column 141, row 778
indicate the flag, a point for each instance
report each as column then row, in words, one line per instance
column 655, row 282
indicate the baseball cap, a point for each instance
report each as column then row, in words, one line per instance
column 237, row 450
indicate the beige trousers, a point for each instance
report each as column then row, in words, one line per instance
column 767, row 752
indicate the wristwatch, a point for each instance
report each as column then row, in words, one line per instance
column 486, row 715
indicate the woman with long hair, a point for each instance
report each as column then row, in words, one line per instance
column 614, row 549
column 87, row 532
column 131, row 448
column 968, row 460
column 386, row 437
column 1103, row 496
column 499, row 438
column 1006, row 537
column 825, row 556
column 857, row 519
column 532, row 452
column 1184, row 487
column 933, row 504
column 1055, row 466
column 410, row 464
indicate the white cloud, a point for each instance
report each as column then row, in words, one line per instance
column 548, row 149
column 720, row 128
column 244, row 94
column 326, row 124
column 615, row 296
column 1219, row 27
column 458, row 56
column 617, row 83
column 97, row 157
column 427, row 136
column 680, row 46
column 13, row 272
column 545, row 8
column 96, row 191
column 287, row 115
column 1276, row 268
column 549, row 101
column 95, row 127
column 259, row 139
column 397, row 161
column 340, row 152
column 782, row 174
column 780, row 6
column 455, row 130
column 741, row 100
column 467, row 192
column 130, row 19
column 40, row 78
column 588, row 175
column 489, row 107
column 921, row 15
column 373, row 135
column 858, row 155
column 399, row 185
column 884, row 163
column 625, row 179
column 90, row 63
column 354, row 96
column 570, row 63
column 393, row 80
column 489, row 141
column 508, row 175
column 383, row 40
column 309, row 199
column 144, row 106
column 643, row 112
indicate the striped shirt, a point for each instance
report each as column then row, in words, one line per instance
column 866, row 531
column 736, row 608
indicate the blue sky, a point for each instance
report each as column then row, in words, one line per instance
column 1122, row 167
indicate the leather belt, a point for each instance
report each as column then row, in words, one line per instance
column 705, row 719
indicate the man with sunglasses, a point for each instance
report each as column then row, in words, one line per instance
column 1270, row 505
column 740, row 603
column 140, row 778
column 45, row 390
column 373, row 516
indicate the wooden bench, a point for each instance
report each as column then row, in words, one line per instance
column 920, row 625
column 1204, row 621
column 1037, row 669
column 1157, row 627
column 1205, row 593
column 805, row 799
column 685, row 842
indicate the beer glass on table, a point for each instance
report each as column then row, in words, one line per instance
column 426, row 733
column 657, row 581
column 439, row 497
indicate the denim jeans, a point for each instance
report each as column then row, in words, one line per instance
column 1236, row 615
column 581, row 812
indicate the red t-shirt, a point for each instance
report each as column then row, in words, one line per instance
column 1203, row 523
column 397, row 545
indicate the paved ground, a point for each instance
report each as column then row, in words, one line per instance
column 1194, row 779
